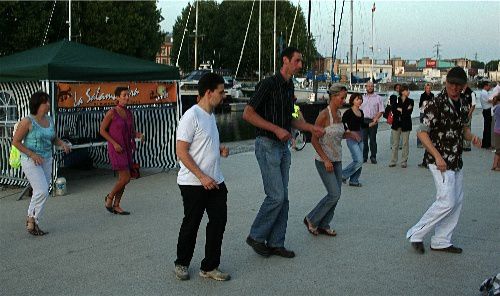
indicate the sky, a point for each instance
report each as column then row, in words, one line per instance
column 411, row 29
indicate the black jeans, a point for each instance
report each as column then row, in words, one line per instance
column 487, row 128
column 370, row 133
column 196, row 200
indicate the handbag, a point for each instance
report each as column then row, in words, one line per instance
column 390, row 117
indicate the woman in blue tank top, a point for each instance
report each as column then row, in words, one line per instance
column 35, row 137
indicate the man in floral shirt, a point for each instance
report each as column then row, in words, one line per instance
column 442, row 132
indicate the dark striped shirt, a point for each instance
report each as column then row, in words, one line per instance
column 273, row 101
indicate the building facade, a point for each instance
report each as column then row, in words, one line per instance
column 165, row 53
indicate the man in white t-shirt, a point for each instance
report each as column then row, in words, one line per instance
column 200, row 180
column 486, row 105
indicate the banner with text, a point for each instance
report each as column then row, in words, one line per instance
column 84, row 95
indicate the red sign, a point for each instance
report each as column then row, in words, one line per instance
column 430, row 63
column 83, row 95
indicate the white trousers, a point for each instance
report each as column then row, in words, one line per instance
column 443, row 214
column 39, row 177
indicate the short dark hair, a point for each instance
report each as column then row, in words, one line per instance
column 396, row 85
column 353, row 97
column 119, row 89
column 288, row 52
column 403, row 88
column 482, row 84
column 36, row 100
column 209, row 81
column 496, row 100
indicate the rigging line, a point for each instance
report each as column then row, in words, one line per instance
column 293, row 25
column 244, row 41
column 338, row 32
column 333, row 37
column 182, row 41
column 48, row 25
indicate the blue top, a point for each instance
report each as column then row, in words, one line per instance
column 39, row 139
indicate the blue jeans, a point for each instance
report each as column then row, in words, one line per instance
column 353, row 170
column 274, row 161
column 322, row 214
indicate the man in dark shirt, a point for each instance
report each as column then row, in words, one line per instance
column 270, row 111
column 442, row 133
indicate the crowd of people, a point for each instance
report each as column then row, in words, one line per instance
column 444, row 132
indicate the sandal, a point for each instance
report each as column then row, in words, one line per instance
column 327, row 231
column 116, row 206
column 39, row 231
column 312, row 230
column 30, row 226
column 110, row 209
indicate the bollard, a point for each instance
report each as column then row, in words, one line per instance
column 60, row 186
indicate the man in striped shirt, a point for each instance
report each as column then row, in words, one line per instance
column 270, row 111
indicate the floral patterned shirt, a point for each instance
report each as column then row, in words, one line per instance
column 445, row 127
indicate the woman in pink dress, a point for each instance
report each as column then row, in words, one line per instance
column 117, row 128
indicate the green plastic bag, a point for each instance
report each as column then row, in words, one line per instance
column 15, row 154
column 15, row 157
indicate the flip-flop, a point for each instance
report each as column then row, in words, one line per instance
column 329, row 232
column 311, row 229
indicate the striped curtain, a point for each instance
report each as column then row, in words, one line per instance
column 157, row 122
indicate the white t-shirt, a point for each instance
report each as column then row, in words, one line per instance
column 199, row 128
column 484, row 99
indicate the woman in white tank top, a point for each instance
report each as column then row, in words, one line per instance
column 328, row 162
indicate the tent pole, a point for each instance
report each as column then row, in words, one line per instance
column 55, row 165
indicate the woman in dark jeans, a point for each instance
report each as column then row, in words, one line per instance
column 353, row 120
column 401, row 125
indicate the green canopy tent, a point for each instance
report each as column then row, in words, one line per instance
column 71, row 61
column 23, row 73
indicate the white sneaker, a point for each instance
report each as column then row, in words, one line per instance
column 216, row 275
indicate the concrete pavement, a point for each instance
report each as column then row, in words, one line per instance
column 92, row 252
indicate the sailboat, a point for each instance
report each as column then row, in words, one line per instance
column 188, row 87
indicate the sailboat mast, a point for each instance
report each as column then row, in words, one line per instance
column 260, row 36
column 350, row 49
column 274, row 38
column 69, row 20
column 373, row 42
column 196, row 40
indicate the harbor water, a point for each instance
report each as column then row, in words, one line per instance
column 232, row 127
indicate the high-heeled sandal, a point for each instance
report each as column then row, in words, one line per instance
column 327, row 231
column 110, row 209
column 30, row 226
column 312, row 230
column 117, row 205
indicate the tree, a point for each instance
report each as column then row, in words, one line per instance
column 130, row 28
column 477, row 65
column 492, row 65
